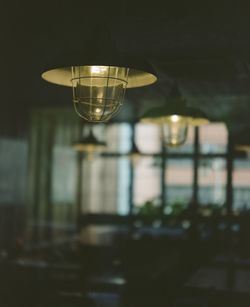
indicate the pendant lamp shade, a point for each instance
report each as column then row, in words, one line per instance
column 240, row 137
column 175, row 119
column 243, row 146
column 89, row 144
column 162, row 114
column 99, row 82
column 134, row 154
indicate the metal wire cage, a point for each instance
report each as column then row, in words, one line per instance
column 98, row 91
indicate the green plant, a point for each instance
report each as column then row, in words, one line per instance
column 149, row 208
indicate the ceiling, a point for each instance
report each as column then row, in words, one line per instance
column 205, row 48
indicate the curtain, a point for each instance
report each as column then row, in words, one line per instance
column 52, row 175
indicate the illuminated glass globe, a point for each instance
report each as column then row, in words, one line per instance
column 175, row 130
column 98, row 91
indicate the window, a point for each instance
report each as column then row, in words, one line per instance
column 212, row 181
column 147, row 181
column 112, row 184
column 64, row 175
column 178, row 183
column 241, row 184
column 116, row 136
column 13, row 164
column 213, row 138
column 105, row 185
column 148, row 138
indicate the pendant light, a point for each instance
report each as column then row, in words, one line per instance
column 99, row 81
column 89, row 144
column 240, row 139
column 175, row 117
column 135, row 153
column 243, row 146
column 96, row 69
column 245, row 149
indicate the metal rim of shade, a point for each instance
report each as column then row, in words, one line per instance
column 89, row 144
column 160, row 115
column 243, row 147
column 141, row 73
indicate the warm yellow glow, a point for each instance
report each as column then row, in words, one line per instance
column 174, row 118
column 134, row 158
column 63, row 76
column 98, row 91
column 98, row 110
column 87, row 148
column 245, row 148
column 175, row 130
column 90, row 150
column 98, row 69
column 98, row 85
column 192, row 121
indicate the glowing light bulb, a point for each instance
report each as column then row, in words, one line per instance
column 98, row 69
column 174, row 118
column 98, row 110
column 175, row 131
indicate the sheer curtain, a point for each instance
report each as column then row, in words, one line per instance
column 58, row 174
column 105, row 184
column 52, row 174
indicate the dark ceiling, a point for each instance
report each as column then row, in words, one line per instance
column 205, row 48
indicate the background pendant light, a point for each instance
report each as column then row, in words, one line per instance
column 240, row 139
column 175, row 117
column 99, row 82
column 242, row 142
column 89, row 144
column 243, row 148
column 134, row 154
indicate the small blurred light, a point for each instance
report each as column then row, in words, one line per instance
column 168, row 210
column 186, row 224
column 3, row 254
column 157, row 223
column 236, row 212
column 235, row 227
column 117, row 262
column 136, row 236
column 206, row 212
column 224, row 212
column 222, row 226
column 138, row 224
